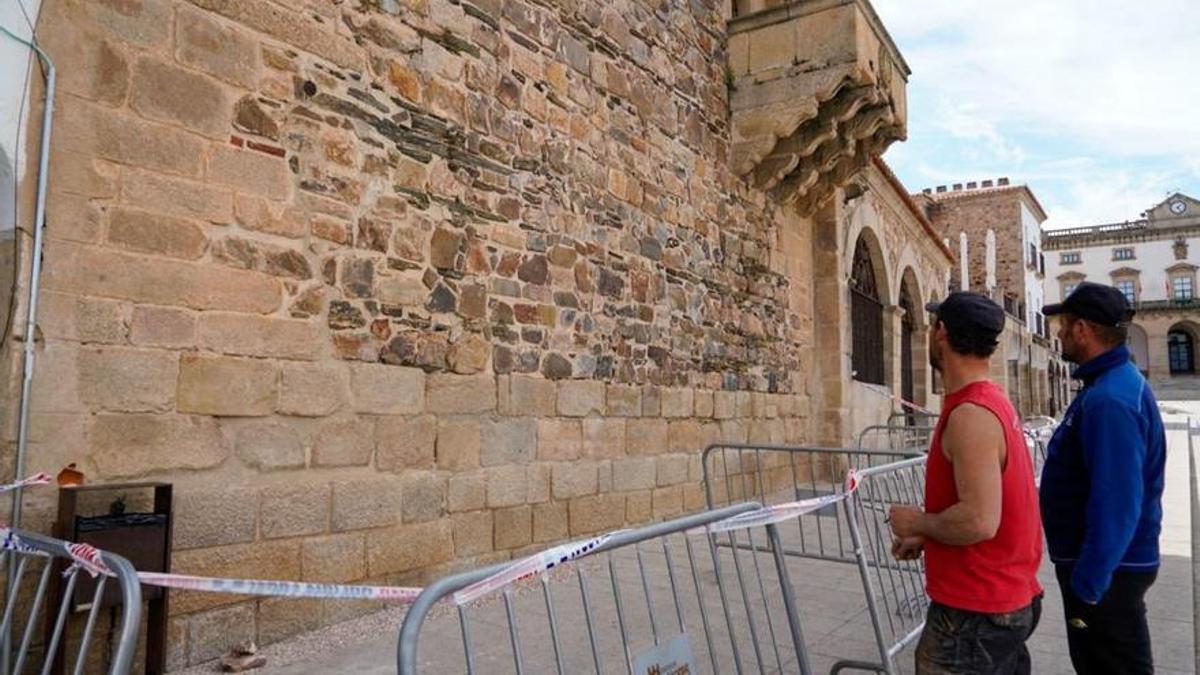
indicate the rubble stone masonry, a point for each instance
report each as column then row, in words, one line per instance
column 385, row 287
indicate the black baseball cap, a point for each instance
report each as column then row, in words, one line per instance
column 971, row 315
column 1100, row 304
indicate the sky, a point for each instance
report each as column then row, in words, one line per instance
column 1095, row 104
column 15, row 58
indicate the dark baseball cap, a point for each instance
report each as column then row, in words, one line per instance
column 1097, row 303
column 970, row 315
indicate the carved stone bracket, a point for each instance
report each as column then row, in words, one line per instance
column 818, row 88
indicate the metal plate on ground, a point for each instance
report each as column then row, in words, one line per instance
column 673, row 657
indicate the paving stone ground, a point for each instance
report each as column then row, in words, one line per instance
column 835, row 620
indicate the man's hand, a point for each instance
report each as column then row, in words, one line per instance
column 905, row 521
column 908, row 548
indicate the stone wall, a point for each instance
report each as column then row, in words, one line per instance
column 387, row 288
column 976, row 212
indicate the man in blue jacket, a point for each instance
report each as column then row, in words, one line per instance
column 1102, row 486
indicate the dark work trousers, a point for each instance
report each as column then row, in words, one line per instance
column 1110, row 636
column 957, row 641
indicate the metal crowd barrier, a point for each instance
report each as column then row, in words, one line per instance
column 894, row 589
column 855, row 533
column 641, row 600
column 775, row 474
column 911, row 440
column 28, row 560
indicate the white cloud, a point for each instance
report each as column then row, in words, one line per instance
column 1092, row 102
column 1103, row 71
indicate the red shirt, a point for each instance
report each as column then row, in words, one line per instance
column 998, row 575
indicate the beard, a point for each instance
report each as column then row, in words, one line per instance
column 935, row 358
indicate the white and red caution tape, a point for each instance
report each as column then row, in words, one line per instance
column 271, row 587
column 41, row 478
column 87, row 558
column 886, row 393
column 525, row 568
column 779, row 513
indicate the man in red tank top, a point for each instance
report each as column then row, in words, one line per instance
column 981, row 529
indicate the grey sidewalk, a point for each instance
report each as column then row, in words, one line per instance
column 835, row 620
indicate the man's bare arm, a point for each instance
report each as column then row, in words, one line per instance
column 974, row 442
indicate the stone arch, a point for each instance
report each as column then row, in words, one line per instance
column 864, row 225
column 912, row 361
column 1139, row 347
column 1183, row 338
column 869, row 296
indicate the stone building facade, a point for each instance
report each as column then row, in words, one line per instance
column 393, row 287
column 994, row 227
column 1154, row 261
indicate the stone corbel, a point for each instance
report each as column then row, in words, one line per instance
column 817, row 90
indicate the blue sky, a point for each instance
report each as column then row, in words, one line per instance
column 1094, row 103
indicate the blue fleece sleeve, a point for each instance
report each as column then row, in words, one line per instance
column 1114, row 449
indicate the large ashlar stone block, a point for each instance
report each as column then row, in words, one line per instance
column 466, row 492
column 559, row 440
column 472, row 533
column 214, row 518
column 646, row 436
column 364, row 503
column 335, row 559
column 84, row 130
column 507, row 486
column 209, row 632
column 409, row 547
column 604, row 438
column 460, row 395
column 550, row 522
column 458, row 444
column 223, row 50
column 344, row 442
column 165, row 92
column 126, row 446
column 270, row 445
column 168, row 327
column 312, row 389
column 295, row 510
column 508, row 441
column 513, row 527
column 86, row 270
column 678, row 402
column 634, row 473
column 157, row 234
column 574, row 479
column 580, row 398
column 251, row 335
column 275, row 559
column 596, row 513
column 624, row 400
column 128, row 380
column 248, row 171
column 404, row 443
column 521, row 395
column 228, row 387
column 424, row 496
column 387, row 390
column 178, row 197
column 280, row 618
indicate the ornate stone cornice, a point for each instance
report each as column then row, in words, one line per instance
column 818, row 89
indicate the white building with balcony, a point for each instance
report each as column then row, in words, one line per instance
column 1153, row 261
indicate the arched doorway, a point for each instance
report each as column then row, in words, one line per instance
column 1139, row 348
column 1181, row 350
column 866, row 317
column 909, row 300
